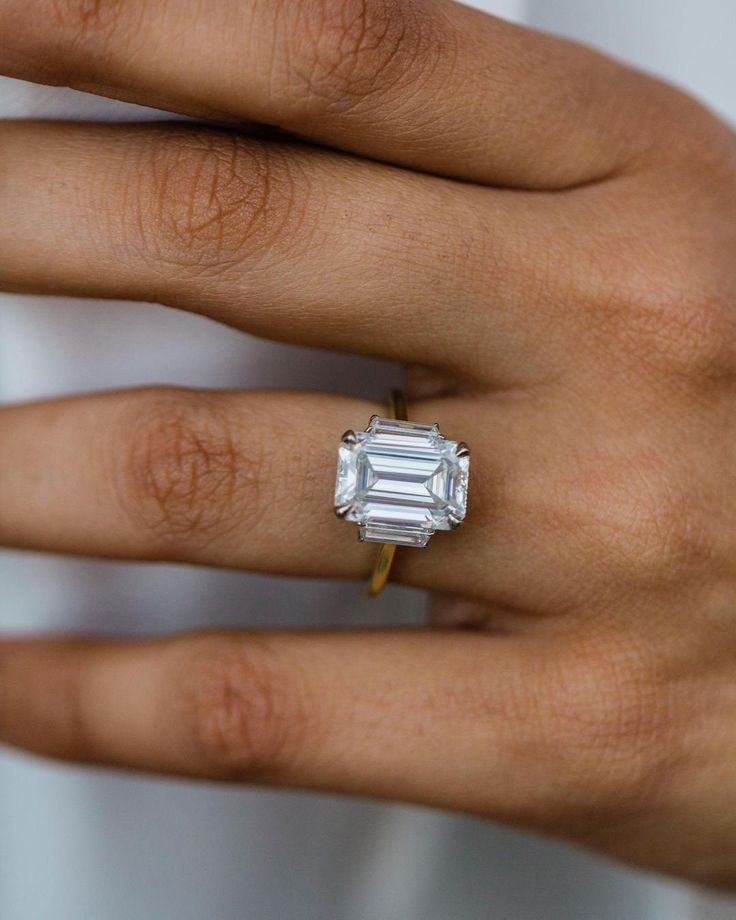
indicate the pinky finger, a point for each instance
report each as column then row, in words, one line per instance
column 419, row 716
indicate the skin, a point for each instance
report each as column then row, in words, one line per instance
column 552, row 238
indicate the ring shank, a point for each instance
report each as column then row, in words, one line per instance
column 397, row 409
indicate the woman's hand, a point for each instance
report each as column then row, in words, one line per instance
column 554, row 237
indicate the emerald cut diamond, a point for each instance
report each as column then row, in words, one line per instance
column 400, row 481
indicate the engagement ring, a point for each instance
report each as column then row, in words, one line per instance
column 400, row 481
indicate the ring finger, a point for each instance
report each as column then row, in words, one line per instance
column 242, row 480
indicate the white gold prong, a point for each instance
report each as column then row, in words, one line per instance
column 382, row 481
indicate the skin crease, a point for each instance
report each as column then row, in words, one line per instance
column 548, row 240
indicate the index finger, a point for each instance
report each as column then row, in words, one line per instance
column 433, row 85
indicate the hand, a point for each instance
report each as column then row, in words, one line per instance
column 553, row 236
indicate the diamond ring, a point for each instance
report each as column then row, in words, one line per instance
column 400, row 481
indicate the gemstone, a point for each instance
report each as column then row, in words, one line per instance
column 401, row 481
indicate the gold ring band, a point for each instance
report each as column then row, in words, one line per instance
column 398, row 409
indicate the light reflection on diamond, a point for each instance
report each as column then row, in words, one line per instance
column 402, row 482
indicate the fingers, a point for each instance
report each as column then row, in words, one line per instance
column 378, row 77
column 460, row 721
column 375, row 714
column 285, row 242
column 242, row 480
column 246, row 480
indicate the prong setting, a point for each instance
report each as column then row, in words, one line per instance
column 401, row 481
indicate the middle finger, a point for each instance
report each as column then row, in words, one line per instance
column 283, row 241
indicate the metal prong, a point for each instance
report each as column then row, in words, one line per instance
column 372, row 421
column 454, row 522
column 342, row 510
column 350, row 437
column 462, row 449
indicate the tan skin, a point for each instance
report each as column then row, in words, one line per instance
column 552, row 237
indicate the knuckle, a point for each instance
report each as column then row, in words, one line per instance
column 206, row 201
column 688, row 333
column 650, row 525
column 694, row 140
column 358, row 49
column 642, row 520
column 667, row 307
column 184, row 478
column 243, row 712
column 613, row 729
column 663, row 535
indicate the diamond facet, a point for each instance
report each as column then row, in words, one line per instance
column 401, row 481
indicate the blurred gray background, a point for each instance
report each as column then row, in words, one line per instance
column 80, row 845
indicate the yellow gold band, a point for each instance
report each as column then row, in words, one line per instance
column 397, row 409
